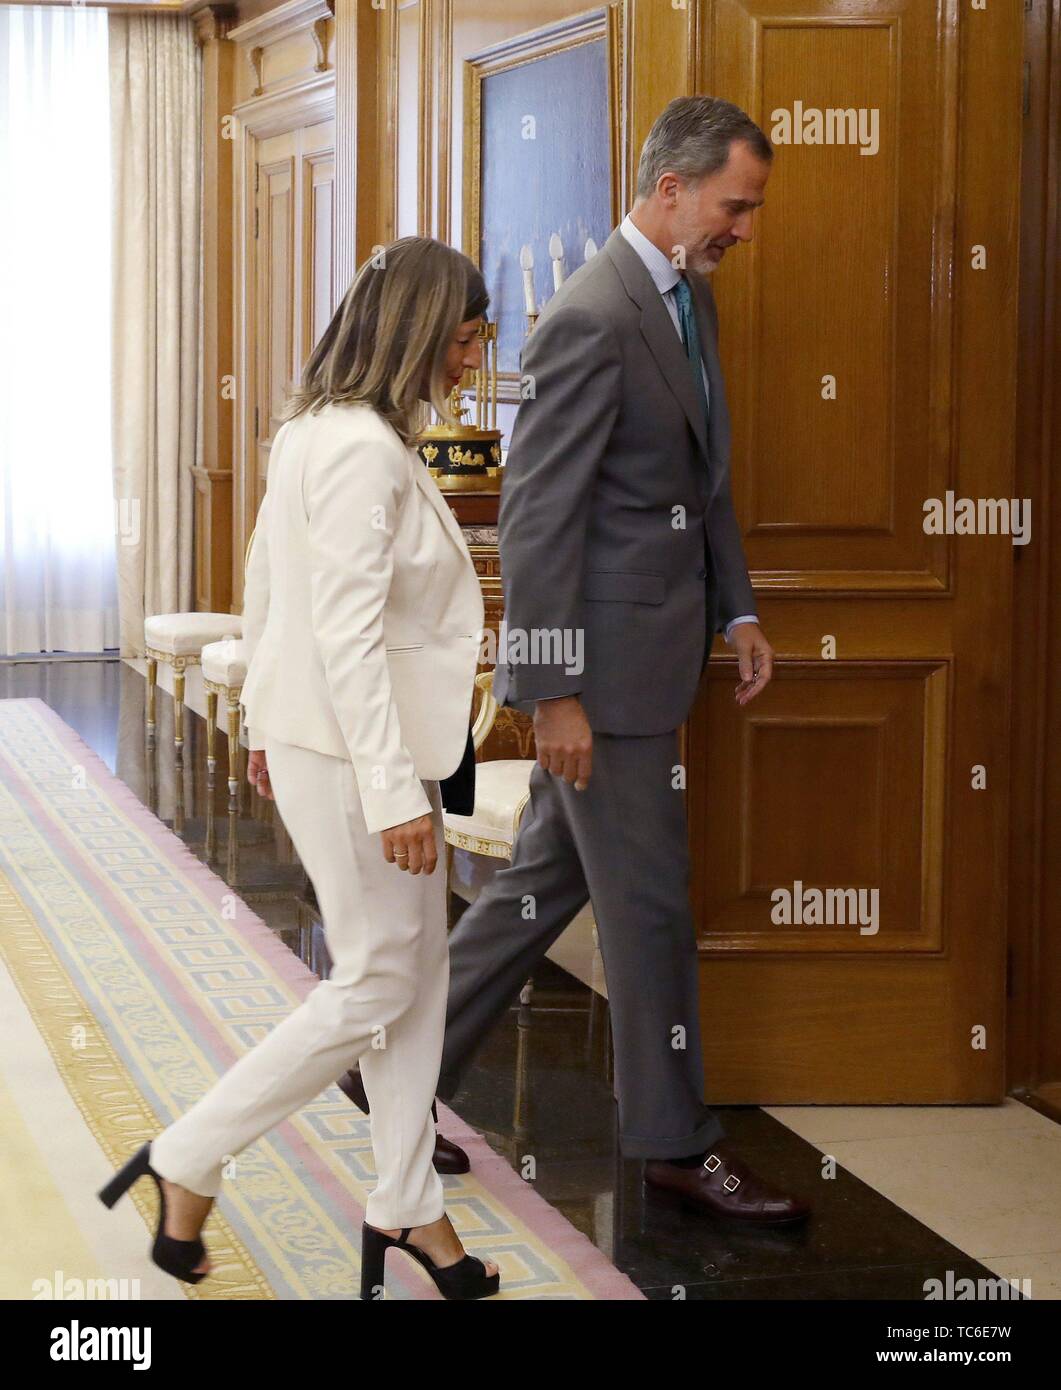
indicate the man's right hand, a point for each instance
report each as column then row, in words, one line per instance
column 564, row 739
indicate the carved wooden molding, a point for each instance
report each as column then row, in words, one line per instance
column 255, row 57
column 280, row 23
column 308, row 103
column 213, row 22
column 311, row 17
column 320, row 42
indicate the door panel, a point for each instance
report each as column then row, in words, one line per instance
column 292, row 258
column 855, row 771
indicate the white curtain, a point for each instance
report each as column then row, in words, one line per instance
column 155, row 65
column 57, row 515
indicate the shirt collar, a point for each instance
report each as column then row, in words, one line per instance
column 664, row 275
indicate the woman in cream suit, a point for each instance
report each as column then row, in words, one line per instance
column 362, row 619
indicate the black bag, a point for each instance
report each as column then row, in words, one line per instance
column 458, row 790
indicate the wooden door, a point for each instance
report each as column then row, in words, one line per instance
column 868, row 339
column 292, row 245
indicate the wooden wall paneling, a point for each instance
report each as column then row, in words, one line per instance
column 425, row 147
column 793, row 811
column 279, row 286
column 664, row 63
column 410, row 78
column 285, row 86
column 363, row 153
column 858, row 770
column 816, row 479
column 317, row 238
column 1034, row 1021
column 214, row 539
column 443, row 10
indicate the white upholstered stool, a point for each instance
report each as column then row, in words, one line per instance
column 178, row 639
column 224, row 671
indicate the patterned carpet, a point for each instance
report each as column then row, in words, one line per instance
column 133, row 976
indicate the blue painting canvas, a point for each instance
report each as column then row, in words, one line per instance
column 546, row 167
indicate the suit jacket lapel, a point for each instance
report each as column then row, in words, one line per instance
column 657, row 329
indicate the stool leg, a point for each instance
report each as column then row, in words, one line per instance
column 211, row 730
column 178, row 709
column 152, row 684
column 233, row 751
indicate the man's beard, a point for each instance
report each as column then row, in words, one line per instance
column 702, row 265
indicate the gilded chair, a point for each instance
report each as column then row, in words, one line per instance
column 502, row 790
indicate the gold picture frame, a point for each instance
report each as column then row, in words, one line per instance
column 604, row 23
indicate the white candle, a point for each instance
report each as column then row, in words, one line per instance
column 526, row 260
column 556, row 250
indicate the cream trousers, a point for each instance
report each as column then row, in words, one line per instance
column 383, row 1004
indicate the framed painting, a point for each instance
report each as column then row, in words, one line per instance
column 541, row 165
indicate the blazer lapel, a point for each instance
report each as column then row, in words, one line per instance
column 431, row 491
column 657, row 329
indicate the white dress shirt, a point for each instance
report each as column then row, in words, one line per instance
column 665, row 277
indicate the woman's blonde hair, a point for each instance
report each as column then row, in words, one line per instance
column 393, row 329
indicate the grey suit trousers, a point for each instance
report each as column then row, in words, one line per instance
column 622, row 842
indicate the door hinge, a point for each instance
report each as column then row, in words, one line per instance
column 256, row 422
column 257, row 172
column 1026, row 90
column 255, row 224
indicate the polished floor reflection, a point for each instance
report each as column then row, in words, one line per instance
column 540, row 1088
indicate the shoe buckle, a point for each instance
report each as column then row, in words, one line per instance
column 732, row 1183
column 711, row 1162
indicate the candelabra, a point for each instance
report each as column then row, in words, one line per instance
column 462, row 457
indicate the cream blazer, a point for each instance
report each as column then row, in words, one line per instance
column 362, row 614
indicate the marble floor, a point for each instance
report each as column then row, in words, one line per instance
column 919, row 1193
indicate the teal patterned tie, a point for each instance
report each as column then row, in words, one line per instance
column 691, row 339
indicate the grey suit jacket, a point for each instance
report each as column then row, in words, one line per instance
column 611, row 487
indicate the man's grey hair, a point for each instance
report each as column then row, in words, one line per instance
column 692, row 137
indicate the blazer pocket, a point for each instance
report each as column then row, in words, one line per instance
column 408, row 647
column 624, row 586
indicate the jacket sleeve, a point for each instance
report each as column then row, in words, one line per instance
column 256, row 596
column 353, row 493
column 558, row 441
column 736, row 597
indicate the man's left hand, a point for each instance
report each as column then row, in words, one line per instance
column 755, row 660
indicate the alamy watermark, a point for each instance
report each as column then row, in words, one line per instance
column 979, row 516
column 810, row 125
column 536, row 646
column 826, row 907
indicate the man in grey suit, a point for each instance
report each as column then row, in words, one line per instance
column 619, row 545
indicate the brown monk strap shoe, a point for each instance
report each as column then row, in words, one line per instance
column 724, row 1185
column 449, row 1157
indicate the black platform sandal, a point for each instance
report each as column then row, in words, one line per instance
column 176, row 1257
column 465, row 1280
